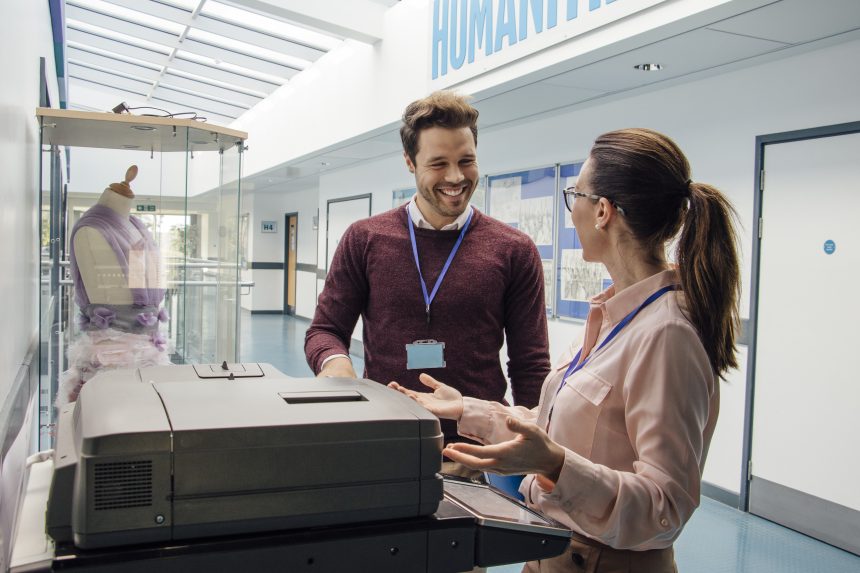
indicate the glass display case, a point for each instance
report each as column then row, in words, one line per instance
column 139, row 247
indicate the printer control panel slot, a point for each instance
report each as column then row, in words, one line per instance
column 322, row 397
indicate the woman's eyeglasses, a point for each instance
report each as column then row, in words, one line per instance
column 571, row 193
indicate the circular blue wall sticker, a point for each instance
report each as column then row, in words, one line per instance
column 829, row 247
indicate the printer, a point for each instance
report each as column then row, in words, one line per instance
column 167, row 453
column 237, row 467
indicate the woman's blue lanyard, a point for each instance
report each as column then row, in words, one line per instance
column 429, row 298
column 576, row 366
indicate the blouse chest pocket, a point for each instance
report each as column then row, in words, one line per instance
column 591, row 387
column 580, row 411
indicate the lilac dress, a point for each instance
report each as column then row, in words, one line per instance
column 116, row 336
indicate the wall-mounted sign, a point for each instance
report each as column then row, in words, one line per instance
column 144, row 208
column 268, row 226
column 470, row 37
column 829, row 246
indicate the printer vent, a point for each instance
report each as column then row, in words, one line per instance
column 122, row 484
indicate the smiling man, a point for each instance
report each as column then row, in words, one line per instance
column 438, row 284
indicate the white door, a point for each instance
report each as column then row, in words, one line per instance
column 341, row 214
column 806, row 423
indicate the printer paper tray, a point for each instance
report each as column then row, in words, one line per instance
column 431, row 544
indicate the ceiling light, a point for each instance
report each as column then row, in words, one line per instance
column 649, row 67
column 129, row 146
column 143, row 127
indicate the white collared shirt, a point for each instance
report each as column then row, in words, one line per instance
column 420, row 222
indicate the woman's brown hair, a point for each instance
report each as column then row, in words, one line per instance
column 647, row 175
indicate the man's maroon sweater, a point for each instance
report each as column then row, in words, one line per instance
column 493, row 289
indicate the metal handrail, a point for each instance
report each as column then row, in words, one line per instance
column 241, row 284
column 210, row 264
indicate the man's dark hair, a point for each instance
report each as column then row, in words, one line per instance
column 439, row 109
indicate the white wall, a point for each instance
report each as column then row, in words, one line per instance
column 378, row 178
column 25, row 36
column 317, row 97
column 25, row 31
column 715, row 121
column 357, row 88
column 269, row 205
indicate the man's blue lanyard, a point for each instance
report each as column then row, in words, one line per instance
column 576, row 366
column 429, row 298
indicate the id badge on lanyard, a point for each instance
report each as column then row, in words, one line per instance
column 424, row 354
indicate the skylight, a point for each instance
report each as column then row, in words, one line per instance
column 271, row 25
column 191, row 53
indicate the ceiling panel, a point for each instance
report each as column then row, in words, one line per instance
column 320, row 163
column 134, row 85
column 141, row 69
column 75, row 14
column 88, row 40
column 795, row 21
column 223, row 94
column 253, row 63
column 262, row 39
column 531, row 99
column 679, row 55
column 164, row 10
column 200, row 104
column 367, row 149
column 112, row 94
column 181, row 64
column 235, row 106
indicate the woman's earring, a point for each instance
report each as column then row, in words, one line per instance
column 597, row 226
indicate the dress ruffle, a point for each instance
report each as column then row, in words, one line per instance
column 98, row 351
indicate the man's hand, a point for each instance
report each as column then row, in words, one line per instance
column 340, row 367
column 445, row 402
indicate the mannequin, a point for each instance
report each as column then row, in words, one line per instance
column 118, row 289
column 96, row 260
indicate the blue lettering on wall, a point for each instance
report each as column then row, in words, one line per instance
column 537, row 17
column 458, row 40
column 480, row 27
column 440, row 38
column 463, row 27
column 551, row 13
column 572, row 9
column 506, row 24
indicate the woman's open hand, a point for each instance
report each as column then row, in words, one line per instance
column 445, row 402
column 530, row 452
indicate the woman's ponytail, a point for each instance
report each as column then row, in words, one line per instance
column 710, row 272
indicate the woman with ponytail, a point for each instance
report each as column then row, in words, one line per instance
column 616, row 447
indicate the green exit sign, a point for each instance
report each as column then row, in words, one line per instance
column 145, row 207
